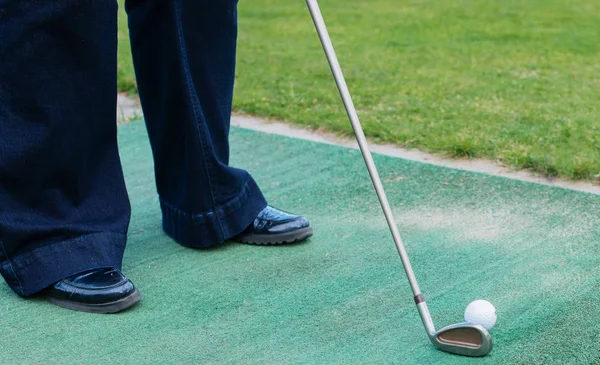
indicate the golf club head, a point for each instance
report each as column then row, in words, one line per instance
column 465, row 339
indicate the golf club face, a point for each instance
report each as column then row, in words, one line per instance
column 465, row 339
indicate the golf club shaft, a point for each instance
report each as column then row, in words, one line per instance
column 317, row 17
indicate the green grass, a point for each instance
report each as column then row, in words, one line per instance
column 512, row 81
column 125, row 73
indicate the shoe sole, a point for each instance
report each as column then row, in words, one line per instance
column 276, row 239
column 104, row 308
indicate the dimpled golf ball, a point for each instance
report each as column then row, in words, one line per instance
column 481, row 312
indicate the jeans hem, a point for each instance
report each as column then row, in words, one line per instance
column 210, row 228
column 35, row 270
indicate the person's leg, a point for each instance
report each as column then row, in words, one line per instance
column 184, row 57
column 63, row 204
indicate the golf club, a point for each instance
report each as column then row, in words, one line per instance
column 463, row 338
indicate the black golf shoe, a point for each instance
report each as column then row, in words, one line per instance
column 273, row 227
column 103, row 290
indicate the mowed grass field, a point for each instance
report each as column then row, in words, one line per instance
column 512, row 81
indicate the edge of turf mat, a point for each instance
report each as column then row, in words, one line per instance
column 341, row 298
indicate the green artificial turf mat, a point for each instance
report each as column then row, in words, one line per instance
column 342, row 297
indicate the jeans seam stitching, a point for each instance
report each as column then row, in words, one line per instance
column 74, row 240
column 186, row 214
column 10, row 264
column 194, row 96
column 245, row 188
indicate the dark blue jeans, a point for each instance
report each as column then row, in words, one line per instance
column 63, row 204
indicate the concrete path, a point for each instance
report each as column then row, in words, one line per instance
column 129, row 109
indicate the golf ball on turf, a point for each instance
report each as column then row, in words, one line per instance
column 481, row 312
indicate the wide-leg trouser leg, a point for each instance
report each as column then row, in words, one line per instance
column 63, row 203
column 184, row 55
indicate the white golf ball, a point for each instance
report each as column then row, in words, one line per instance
column 481, row 312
